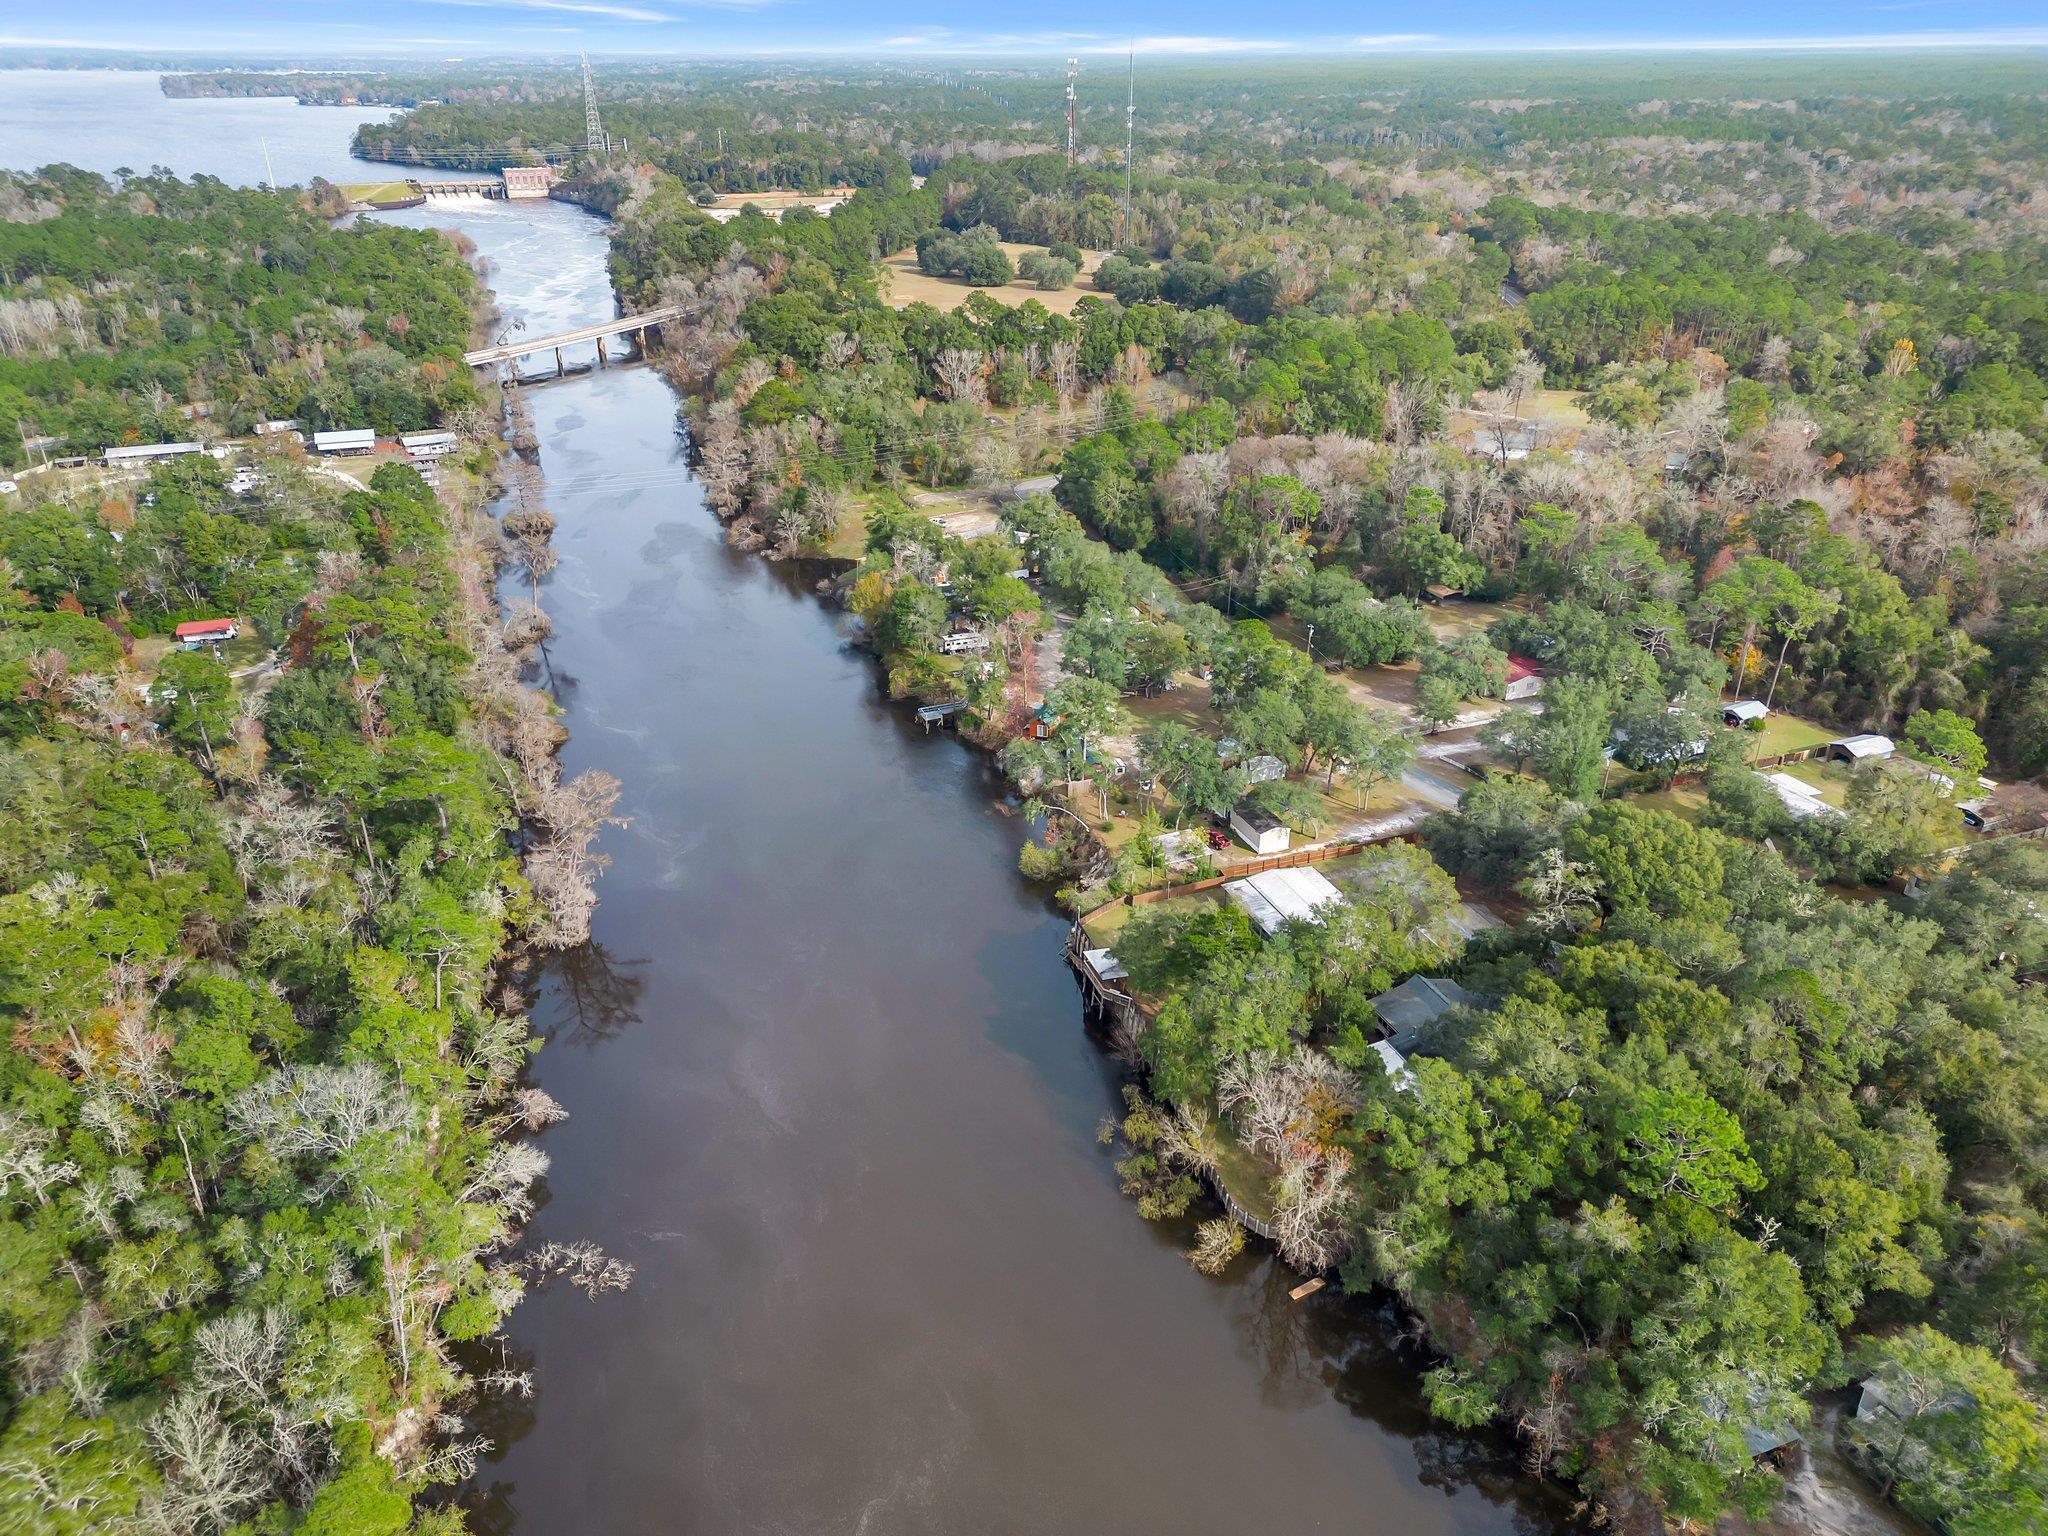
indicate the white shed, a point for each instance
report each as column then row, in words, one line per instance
column 1260, row 831
column 1744, row 712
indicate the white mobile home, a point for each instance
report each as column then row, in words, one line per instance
column 429, row 445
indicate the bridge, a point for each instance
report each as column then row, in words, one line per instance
column 634, row 325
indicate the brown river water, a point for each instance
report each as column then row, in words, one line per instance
column 831, row 1092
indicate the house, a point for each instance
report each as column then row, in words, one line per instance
column 1044, row 721
column 2007, row 808
column 277, row 428
column 525, row 181
column 963, row 640
column 1525, row 679
column 1276, row 896
column 243, row 480
column 149, row 453
column 1418, row 1002
column 1260, row 831
column 1744, row 712
column 429, row 445
column 349, row 441
column 199, row 633
column 1676, row 462
column 1680, row 752
column 1866, row 748
column 1882, row 1398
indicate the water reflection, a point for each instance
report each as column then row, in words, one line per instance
column 588, row 996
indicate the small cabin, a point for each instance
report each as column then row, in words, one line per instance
column 201, row 633
column 1525, row 679
column 1258, row 829
column 1044, row 721
column 1868, row 747
column 1744, row 713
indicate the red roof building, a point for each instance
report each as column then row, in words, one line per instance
column 206, row 629
column 1525, row 678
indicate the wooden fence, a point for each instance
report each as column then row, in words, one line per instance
column 1318, row 854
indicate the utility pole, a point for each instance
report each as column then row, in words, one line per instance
column 1130, row 120
column 1073, row 67
column 594, row 138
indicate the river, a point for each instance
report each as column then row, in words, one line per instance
column 831, row 1094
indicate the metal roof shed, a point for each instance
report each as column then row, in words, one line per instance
column 347, row 440
column 1866, row 748
column 142, row 453
column 1276, row 896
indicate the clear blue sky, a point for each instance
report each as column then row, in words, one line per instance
column 1035, row 28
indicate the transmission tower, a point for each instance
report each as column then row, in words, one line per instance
column 594, row 136
column 1130, row 122
column 1073, row 66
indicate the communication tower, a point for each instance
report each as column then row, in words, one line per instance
column 1073, row 67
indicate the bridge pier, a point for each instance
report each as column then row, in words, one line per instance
column 561, row 369
column 602, row 361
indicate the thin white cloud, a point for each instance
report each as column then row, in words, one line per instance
column 604, row 10
column 1393, row 40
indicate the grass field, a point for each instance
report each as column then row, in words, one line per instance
column 904, row 285
column 1245, row 1174
column 1784, row 733
column 377, row 191
column 776, row 202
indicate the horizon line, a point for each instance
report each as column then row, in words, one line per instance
column 942, row 44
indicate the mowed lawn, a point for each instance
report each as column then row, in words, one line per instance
column 904, row 285
column 1783, row 733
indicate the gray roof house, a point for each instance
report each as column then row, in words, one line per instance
column 1418, row 1002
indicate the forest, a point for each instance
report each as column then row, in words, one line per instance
column 1726, row 1123
column 262, row 1151
column 149, row 309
